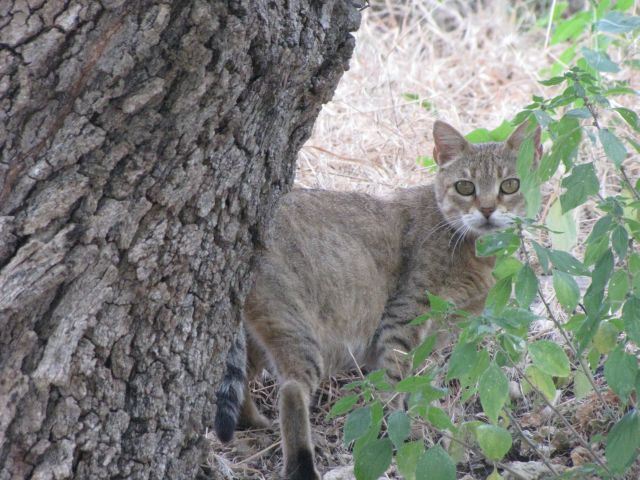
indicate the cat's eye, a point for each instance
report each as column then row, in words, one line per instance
column 510, row 185
column 465, row 187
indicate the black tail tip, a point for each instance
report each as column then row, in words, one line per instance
column 224, row 426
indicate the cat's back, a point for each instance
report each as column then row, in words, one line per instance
column 335, row 255
column 335, row 231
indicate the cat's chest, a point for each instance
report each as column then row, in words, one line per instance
column 464, row 282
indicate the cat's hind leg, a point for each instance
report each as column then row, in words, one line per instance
column 250, row 416
column 298, row 360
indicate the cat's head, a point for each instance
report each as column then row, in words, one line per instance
column 477, row 186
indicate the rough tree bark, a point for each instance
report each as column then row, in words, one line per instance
column 142, row 147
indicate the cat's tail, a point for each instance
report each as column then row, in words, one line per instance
column 230, row 394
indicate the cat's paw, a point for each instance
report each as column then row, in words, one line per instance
column 256, row 421
column 301, row 467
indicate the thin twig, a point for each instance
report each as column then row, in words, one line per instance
column 531, row 444
column 548, row 34
column 566, row 422
column 626, row 178
column 260, row 453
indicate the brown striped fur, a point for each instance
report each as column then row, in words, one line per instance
column 346, row 272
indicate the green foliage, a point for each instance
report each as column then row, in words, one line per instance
column 374, row 459
column 549, row 358
column 586, row 130
column 494, row 391
column 623, row 442
column 494, row 441
column 435, row 464
column 498, row 134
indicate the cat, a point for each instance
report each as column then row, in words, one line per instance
column 342, row 275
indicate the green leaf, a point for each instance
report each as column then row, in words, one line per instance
column 620, row 90
column 596, row 249
column 601, row 227
column 582, row 183
column 506, row 267
column 568, row 29
column 495, row 475
column 407, row 458
column 563, row 232
column 550, row 358
column 542, row 117
column 494, row 441
column 618, row 288
column 410, row 97
column 413, row 384
column 581, row 112
column 399, row 427
column 515, row 320
column 471, row 377
column 605, row 338
column 567, row 263
column 462, row 360
column 623, row 5
column 503, row 243
column 617, row 22
column 581, row 385
column 543, row 256
column 620, row 370
column 623, row 442
column 526, row 286
column 594, row 295
column 373, row 459
column 439, row 419
column 541, row 381
column 499, row 295
column 438, row 304
column 631, row 318
column 424, row 350
column 620, row 241
column 342, row 406
column 567, row 290
column 552, row 81
column 564, row 148
column 613, row 147
column 377, row 415
column 501, row 132
column 630, row 117
column 436, row 464
column 479, row 135
column 599, row 60
column 494, row 392
column 357, row 424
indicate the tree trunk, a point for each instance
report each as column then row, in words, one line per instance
column 142, row 147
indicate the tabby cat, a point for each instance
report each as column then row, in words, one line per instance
column 343, row 274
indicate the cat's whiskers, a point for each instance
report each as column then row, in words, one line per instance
column 460, row 240
column 439, row 226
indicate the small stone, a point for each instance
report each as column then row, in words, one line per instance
column 340, row 473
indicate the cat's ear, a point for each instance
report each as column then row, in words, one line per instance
column 449, row 143
column 523, row 132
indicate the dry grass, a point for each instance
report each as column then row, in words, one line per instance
column 369, row 139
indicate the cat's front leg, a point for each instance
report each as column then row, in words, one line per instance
column 395, row 338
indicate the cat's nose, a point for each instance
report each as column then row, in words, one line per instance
column 487, row 211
